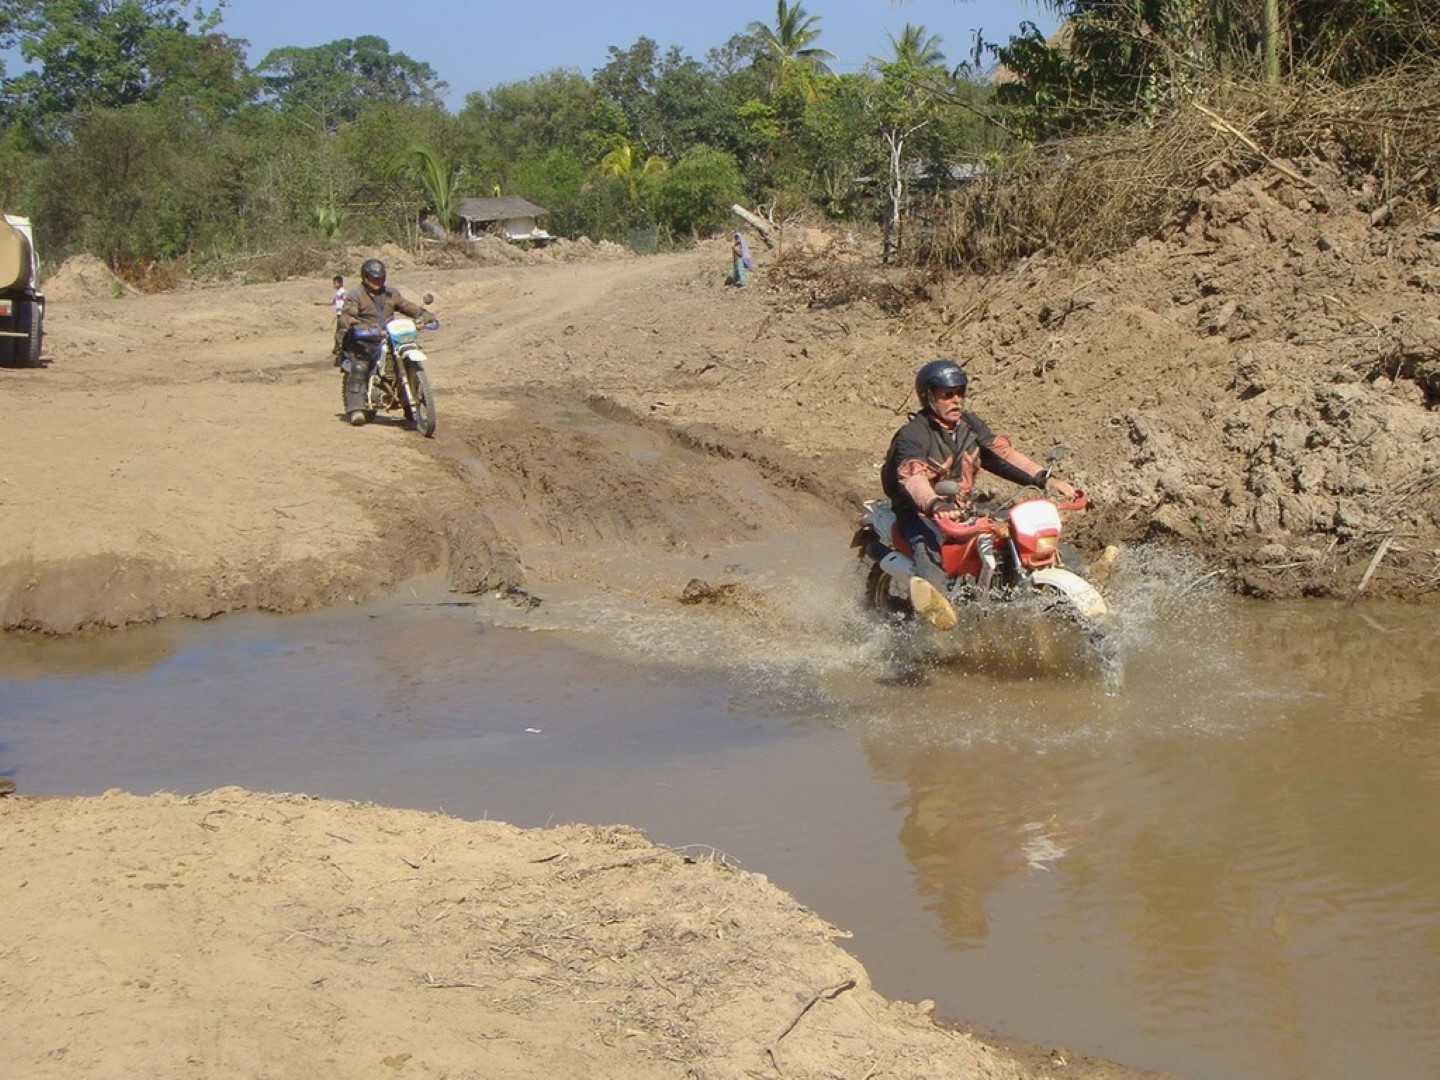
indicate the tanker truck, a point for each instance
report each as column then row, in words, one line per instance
column 22, row 307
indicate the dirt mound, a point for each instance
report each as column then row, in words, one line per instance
column 359, row 941
column 1258, row 382
column 84, row 277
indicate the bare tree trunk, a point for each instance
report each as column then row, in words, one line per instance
column 1270, row 25
column 896, row 143
column 761, row 225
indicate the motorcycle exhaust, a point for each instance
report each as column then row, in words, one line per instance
column 986, row 547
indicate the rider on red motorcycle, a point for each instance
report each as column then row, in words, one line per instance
column 945, row 442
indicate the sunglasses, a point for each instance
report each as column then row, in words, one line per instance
column 945, row 393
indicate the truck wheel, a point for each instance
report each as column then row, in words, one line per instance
column 24, row 351
column 35, row 341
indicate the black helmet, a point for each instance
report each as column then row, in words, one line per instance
column 373, row 270
column 939, row 373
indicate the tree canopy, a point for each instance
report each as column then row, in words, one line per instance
column 137, row 129
column 334, row 83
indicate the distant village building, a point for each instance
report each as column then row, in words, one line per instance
column 508, row 216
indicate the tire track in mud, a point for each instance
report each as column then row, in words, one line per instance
column 650, row 539
column 549, row 494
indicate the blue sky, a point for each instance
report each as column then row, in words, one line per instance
column 480, row 44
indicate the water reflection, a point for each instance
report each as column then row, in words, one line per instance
column 1247, row 871
column 26, row 656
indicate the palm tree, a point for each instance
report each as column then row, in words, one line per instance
column 916, row 49
column 790, row 43
column 441, row 183
column 621, row 164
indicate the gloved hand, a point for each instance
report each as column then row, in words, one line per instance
column 367, row 333
column 428, row 321
column 1047, row 482
column 947, row 508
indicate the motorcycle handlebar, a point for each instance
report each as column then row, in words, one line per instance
column 963, row 530
column 983, row 516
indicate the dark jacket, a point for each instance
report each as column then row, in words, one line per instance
column 366, row 310
column 924, row 451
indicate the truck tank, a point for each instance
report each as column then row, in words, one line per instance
column 22, row 306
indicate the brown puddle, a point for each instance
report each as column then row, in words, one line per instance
column 1228, row 869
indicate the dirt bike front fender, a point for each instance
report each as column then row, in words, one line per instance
column 1083, row 596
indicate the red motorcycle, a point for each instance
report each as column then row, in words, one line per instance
column 1002, row 553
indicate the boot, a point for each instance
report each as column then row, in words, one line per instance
column 931, row 605
column 355, row 397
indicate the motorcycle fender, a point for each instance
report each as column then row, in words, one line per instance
column 1084, row 596
column 415, row 356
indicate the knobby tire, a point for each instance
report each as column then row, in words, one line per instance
column 420, row 400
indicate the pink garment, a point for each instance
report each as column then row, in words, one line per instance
column 743, row 251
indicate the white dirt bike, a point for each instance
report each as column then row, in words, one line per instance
column 399, row 380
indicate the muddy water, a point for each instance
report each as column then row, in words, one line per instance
column 1229, row 868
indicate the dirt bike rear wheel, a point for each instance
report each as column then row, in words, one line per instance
column 419, row 400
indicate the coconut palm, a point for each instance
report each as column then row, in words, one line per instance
column 790, row 43
column 916, row 49
column 621, row 163
column 440, row 181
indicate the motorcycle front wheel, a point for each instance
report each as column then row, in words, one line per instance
column 1094, row 623
column 880, row 598
column 419, row 400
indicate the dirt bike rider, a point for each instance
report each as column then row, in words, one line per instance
column 362, row 321
column 945, row 442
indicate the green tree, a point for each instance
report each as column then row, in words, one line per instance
column 906, row 100
column 522, row 120
column 440, row 180
column 102, row 54
column 134, row 185
column 840, row 144
column 332, row 84
column 916, row 49
column 17, row 165
column 628, row 81
column 388, row 195
column 670, row 101
column 204, row 73
column 695, row 195
column 623, row 164
column 555, row 181
column 282, row 179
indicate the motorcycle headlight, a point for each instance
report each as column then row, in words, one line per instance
column 1046, row 543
